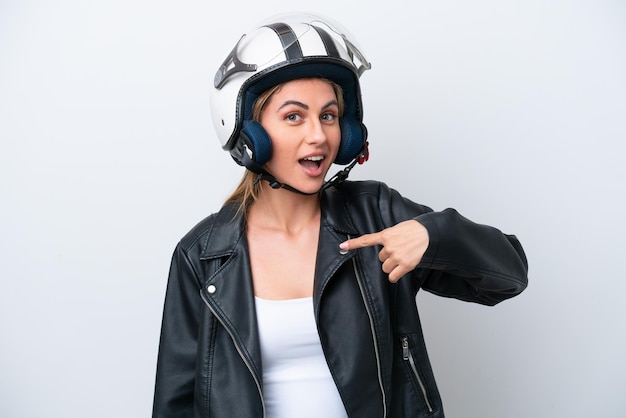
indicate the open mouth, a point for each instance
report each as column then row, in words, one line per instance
column 312, row 163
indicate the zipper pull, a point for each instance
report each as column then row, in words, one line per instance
column 405, row 348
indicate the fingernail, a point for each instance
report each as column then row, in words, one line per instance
column 343, row 245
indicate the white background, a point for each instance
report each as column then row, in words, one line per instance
column 513, row 112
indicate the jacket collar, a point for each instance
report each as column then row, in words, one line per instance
column 226, row 232
column 229, row 224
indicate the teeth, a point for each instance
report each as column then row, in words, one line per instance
column 315, row 158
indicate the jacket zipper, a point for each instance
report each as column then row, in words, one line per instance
column 407, row 356
column 245, row 360
column 369, row 314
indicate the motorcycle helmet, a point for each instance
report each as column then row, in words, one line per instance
column 283, row 48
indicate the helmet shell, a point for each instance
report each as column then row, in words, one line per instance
column 283, row 48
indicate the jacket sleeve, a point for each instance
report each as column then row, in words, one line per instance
column 470, row 261
column 464, row 260
column 173, row 395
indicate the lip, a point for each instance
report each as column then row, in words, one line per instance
column 311, row 170
column 315, row 154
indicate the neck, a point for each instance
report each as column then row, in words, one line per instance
column 283, row 209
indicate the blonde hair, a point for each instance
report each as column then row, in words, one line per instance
column 249, row 189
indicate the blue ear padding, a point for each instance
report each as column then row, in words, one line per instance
column 353, row 136
column 259, row 141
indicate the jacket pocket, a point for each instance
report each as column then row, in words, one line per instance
column 414, row 372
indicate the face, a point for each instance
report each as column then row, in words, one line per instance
column 302, row 119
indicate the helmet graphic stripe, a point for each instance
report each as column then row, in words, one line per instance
column 288, row 39
column 329, row 44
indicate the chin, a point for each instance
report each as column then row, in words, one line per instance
column 311, row 189
column 309, row 186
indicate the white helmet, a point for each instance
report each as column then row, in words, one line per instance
column 283, row 48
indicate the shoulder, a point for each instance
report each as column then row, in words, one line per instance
column 363, row 193
column 358, row 189
column 227, row 221
column 350, row 204
column 369, row 200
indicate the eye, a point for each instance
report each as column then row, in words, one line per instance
column 329, row 117
column 292, row 117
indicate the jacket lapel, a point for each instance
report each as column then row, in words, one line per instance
column 229, row 291
column 335, row 228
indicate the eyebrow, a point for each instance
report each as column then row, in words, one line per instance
column 306, row 107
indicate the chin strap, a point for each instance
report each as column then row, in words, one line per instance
column 275, row 184
column 338, row 178
column 342, row 175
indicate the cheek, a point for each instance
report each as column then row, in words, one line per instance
column 334, row 140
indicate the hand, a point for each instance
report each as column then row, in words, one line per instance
column 403, row 244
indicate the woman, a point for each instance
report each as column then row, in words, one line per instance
column 297, row 299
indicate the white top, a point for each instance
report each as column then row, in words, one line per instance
column 296, row 378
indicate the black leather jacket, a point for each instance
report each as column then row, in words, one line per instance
column 209, row 362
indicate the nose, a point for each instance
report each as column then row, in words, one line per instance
column 315, row 131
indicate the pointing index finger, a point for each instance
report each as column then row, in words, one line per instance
column 366, row 240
